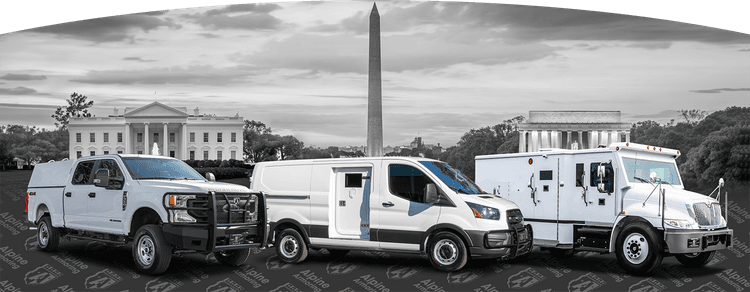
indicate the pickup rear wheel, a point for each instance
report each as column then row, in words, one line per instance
column 290, row 246
column 695, row 260
column 639, row 248
column 47, row 236
column 151, row 252
column 232, row 258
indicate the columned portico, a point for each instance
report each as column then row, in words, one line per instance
column 560, row 129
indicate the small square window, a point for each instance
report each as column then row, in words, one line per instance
column 218, row 137
column 139, row 137
column 78, row 137
column 119, row 137
column 192, row 155
column 140, row 151
column 106, row 137
column 119, row 151
column 106, row 152
column 92, row 137
column 218, row 155
column 205, row 155
column 171, row 153
column 205, row 137
column 78, row 154
column 171, row 137
column 92, row 153
column 234, row 137
column 353, row 180
column 192, row 137
column 234, row 154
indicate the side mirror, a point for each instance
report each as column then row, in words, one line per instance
column 721, row 182
column 102, row 178
column 210, row 176
column 431, row 194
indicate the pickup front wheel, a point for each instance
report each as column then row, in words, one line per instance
column 232, row 258
column 47, row 237
column 151, row 252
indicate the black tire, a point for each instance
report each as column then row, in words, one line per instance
column 47, row 236
column 697, row 259
column 151, row 252
column 447, row 252
column 561, row 253
column 232, row 258
column 290, row 246
column 337, row 253
column 644, row 251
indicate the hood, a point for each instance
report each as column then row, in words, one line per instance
column 201, row 186
column 490, row 200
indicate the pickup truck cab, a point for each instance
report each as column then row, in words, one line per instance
column 159, row 204
column 393, row 204
column 627, row 199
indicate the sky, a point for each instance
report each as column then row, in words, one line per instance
column 301, row 67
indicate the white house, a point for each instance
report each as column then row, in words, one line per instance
column 177, row 133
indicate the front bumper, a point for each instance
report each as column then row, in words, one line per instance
column 487, row 244
column 211, row 239
column 691, row 241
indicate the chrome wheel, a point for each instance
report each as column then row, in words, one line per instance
column 43, row 234
column 289, row 246
column 146, row 251
column 636, row 248
column 445, row 252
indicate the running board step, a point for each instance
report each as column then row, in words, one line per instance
column 70, row 236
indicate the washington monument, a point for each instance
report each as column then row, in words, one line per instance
column 374, row 91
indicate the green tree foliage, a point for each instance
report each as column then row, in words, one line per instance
column 31, row 144
column 260, row 144
column 482, row 141
column 723, row 154
column 77, row 107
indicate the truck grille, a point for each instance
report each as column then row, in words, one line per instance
column 231, row 208
column 707, row 216
column 515, row 218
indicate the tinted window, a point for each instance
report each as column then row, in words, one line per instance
column 353, row 180
column 407, row 182
column 452, row 177
column 83, row 172
column 115, row 174
column 643, row 168
column 579, row 174
column 545, row 175
column 158, row 168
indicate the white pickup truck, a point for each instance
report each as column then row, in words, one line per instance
column 160, row 204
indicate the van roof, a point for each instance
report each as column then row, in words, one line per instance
column 355, row 159
column 626, row 146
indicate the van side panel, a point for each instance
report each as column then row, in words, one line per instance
column 287, row 188
column 322, row 186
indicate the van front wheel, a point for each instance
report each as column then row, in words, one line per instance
column 695, row 260
column 290, row 246
column 447, row 252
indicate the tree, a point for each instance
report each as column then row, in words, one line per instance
column 693, row 116
column 723, row 154
column 289, row 147
column 77, row 107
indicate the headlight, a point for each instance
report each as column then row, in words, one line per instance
column 683, row 224
column 484, row 212
column 179, row 201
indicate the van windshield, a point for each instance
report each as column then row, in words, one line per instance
column 452, row 177
column 639, row 170
column 159, row 168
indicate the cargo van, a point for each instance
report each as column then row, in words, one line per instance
column 627, row 198
column 397, row 204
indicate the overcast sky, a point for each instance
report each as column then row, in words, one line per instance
column 447, row 67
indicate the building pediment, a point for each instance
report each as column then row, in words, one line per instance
column 155, row 109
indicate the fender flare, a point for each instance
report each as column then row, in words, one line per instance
column 274, row 225
column 458, row 230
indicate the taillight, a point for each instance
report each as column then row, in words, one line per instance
column 26, row 202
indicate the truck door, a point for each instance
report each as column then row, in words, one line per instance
column 545, row 183
column 76, row 196
column 585, row 204
column 105, row 203
column 353, row 188
column 403, row 214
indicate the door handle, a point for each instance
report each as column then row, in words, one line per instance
column 388, row 204
column 68, row 194
column 91, row 195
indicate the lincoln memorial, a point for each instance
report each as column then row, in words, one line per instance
column 571, row 130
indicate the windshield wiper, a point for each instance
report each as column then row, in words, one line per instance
column 643, row 180
column 153, row 178
column 185, row 178
column 458, row 190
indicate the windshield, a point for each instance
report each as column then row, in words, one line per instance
column 159, row 168
column 452, row 177
column 638, row 170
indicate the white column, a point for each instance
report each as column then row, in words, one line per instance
column 591, row 140
column 146, row 150
column 165, row 152
column 126, row 139
column 185, row 155
column 521, row 141
column 605, row 138
column 534, row 146
column 580, row 140
column 559, row 139
column 568, row 143
column 553, row 139
column 545, row 142
column 627, row 136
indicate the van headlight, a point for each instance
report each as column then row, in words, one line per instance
column 682, row 224
column 179, row 201
column 484, row 212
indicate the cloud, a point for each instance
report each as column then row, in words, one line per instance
column 20, row 90
column 665, row 114
column 22, row 77
column 203, row 75
column 34, row 106
column 107, row 29
column 240, row 16
column 719, row 90
column 744, row 50
column 209, row 35
column 137, row 59
column 651, row 45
